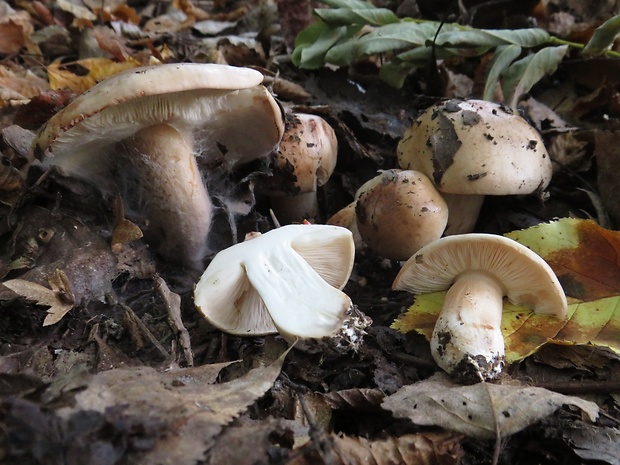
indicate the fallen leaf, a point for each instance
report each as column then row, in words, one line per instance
column 571, row 246
column 191, row 409
column 98, row 69
column 79, row 11
column 601, row 444
column 483, row 410
column 41, row 295
column 411, row 449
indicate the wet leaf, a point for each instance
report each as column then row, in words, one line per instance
column 483, row 410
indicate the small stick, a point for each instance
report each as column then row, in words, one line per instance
column 172, row 301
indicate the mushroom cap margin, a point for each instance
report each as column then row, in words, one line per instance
column 526, row 278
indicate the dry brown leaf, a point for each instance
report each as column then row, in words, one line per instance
column 483, row 410
column 41, row 295
column 98, row 69
column 19, row 84
column 15, row 26
column 355, row 399
column 190, row 407
column 77, row 10
column 412, row 449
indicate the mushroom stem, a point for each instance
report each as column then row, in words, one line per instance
column 463, row 212
column 179, row 207
column 295, row 208
column 467, row 341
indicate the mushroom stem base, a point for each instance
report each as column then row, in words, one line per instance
column 467, row 341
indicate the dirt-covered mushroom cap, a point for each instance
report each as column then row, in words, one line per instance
column 479, row 270
column 159, row 118
column 287, row 280
column 399, row 212
column 477, row 148
column 304, row 161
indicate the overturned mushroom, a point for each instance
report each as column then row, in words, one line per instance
column 159, row 118
column 304, row 161
column 478, row 270
column 287, row 280
column 473, row 148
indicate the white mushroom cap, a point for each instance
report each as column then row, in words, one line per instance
column 475, row 147
column 398, row 212
column 217, row 111
column 478, row 270
column 288, row 279
column 304, row 161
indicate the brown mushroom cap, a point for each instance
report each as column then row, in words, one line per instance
column 399, row 212
column 304, row 161
column 526, row 279
column 476, row 147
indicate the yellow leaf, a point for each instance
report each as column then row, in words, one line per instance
column 98, row 69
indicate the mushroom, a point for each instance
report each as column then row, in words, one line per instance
column 395, row 213
column 287, row 280
column 473, row 148
column 304, row 161
column 149, row 124
column 478, row 270
column 400, row 214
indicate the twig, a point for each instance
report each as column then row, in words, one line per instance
column 172, row 301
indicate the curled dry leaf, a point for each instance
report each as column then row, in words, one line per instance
column 483, row 410
column 41, row 295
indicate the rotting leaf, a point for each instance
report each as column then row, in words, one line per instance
column 483, row 410
column 190, row 407
column 444, row 143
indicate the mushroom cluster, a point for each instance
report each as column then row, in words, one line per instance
column 478, row 270
column 148, row 125
column 473, row 148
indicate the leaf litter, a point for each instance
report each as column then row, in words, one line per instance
column 101, row 381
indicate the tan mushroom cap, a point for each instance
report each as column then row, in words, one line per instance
column 525, row 277
column 398, row 212
column 234, row 117
column 137, row 83
column 476, row 147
